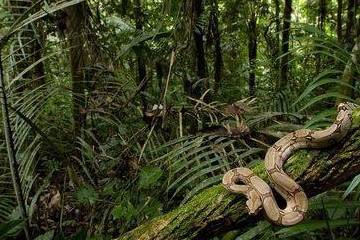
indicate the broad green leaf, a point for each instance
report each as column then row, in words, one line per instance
column 124, row 211
column 149, row 176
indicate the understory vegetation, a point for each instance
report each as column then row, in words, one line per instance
column 118, row 112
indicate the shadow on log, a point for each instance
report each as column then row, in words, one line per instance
column 215, row 211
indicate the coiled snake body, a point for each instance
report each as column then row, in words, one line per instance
column 259, row 193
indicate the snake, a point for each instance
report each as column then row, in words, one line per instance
column 260, row 195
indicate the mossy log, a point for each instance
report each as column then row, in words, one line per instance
column 215, row 210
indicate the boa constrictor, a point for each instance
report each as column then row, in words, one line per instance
column 259, row 193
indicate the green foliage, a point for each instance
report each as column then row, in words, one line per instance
column 124, row 211
column 86, row 195
column 149, row 177
column 46, row 236
column 355, row 182
column 133, row 166
column 7, row 228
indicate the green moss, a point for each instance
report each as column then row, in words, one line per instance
column 298, row 163
column 356, row 117
column 259, row 170
column 212, row 200
column 295, row 166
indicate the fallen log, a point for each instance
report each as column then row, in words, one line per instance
column 215, row 210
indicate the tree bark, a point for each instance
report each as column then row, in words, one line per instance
column 284, row 65
column 199, row 51
column 277, row 34
column 350, row 22
column 215, row 211
column 75, row 26
column 322, row 14
column 272, row 39
column 339, row 20
column 252, row 51
column 321, row 26
column 194, row 86
column 124, row 7
column 139, row 51
column 218, row 60
column 348, row 76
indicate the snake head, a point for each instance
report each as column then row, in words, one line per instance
column 254, row 202
column 347, row 106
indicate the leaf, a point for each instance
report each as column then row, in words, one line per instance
column 7, row 228
column 209, row 182
column 153, row 209
column 21, row 22
column 124, row 211
column 46, row 236
column 332, row 203
column 80, row 235
column 325, row 96
column 318, row 84
column 143, row 38
column 149, row 176
column 325, row 115
column 313, row 225
column 87, row 195
column 254, row 231
column 355, row 182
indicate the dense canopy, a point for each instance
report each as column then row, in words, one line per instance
column 120, row 118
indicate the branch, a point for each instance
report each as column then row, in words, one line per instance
column 215, row 210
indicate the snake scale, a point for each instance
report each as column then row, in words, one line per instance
column 258, row 192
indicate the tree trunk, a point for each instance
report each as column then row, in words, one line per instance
column 284, row 65
column 348, row 76
column 124, row 7
column 339, row 20
column 322, row 15
column 194, row 85
column 215, row 211
column 199, row 51
column 218, row 60
column 159, row 75
column 252, row 51
column 321, row 26
column 350, row 22
column 140, row 56
column 75, row 26
column 278, row 29
column 273, row 44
